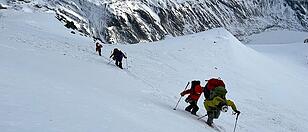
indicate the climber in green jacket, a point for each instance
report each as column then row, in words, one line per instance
column 218, row 103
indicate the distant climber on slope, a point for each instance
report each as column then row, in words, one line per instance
column 117, row 55
column 98, row 48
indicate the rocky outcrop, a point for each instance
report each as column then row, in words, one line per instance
column 133, row 21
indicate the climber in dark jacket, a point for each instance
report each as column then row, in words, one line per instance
column 117, row 55
column 99, row 48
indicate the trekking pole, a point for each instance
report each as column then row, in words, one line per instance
column 235, row 122
column 180, row 98
column 110, row 58
column 202, row 117
column 126, row 64
column 126, row 60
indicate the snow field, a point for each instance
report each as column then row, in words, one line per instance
column 52, row 80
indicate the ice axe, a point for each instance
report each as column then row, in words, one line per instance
column 180, row 97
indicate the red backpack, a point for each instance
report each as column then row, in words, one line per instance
column 211, row 84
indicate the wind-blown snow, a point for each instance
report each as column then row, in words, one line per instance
column 52, row 80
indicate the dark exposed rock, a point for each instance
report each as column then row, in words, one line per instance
column 146, row 20
column 2, row 7
column 71, row 25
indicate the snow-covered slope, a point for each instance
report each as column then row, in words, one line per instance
column 286, row 47
column 150, row 20
column 51, row 80
column 278, row 37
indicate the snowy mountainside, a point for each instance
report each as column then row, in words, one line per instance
column 289, row 49
column 132, row 21
column 52, row 80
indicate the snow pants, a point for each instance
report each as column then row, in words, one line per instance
column 119, row 63
column 193, row 107
column 212, row 114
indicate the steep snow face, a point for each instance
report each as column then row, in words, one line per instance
column 132, row 21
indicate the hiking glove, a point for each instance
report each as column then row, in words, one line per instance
column 221, row 104
column 182, row 94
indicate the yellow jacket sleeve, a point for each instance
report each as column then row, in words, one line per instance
column 214, row 103
column 231, row 103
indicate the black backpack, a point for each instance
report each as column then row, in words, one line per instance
column 194, row 83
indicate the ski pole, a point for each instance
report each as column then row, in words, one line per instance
column 126, row 64
column 202, row 117
column 110, row 58
column 126, row 60
column 180, row 98
column 110, row 61
column 235, row 122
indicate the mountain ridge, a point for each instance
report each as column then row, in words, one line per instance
column 152, row 20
